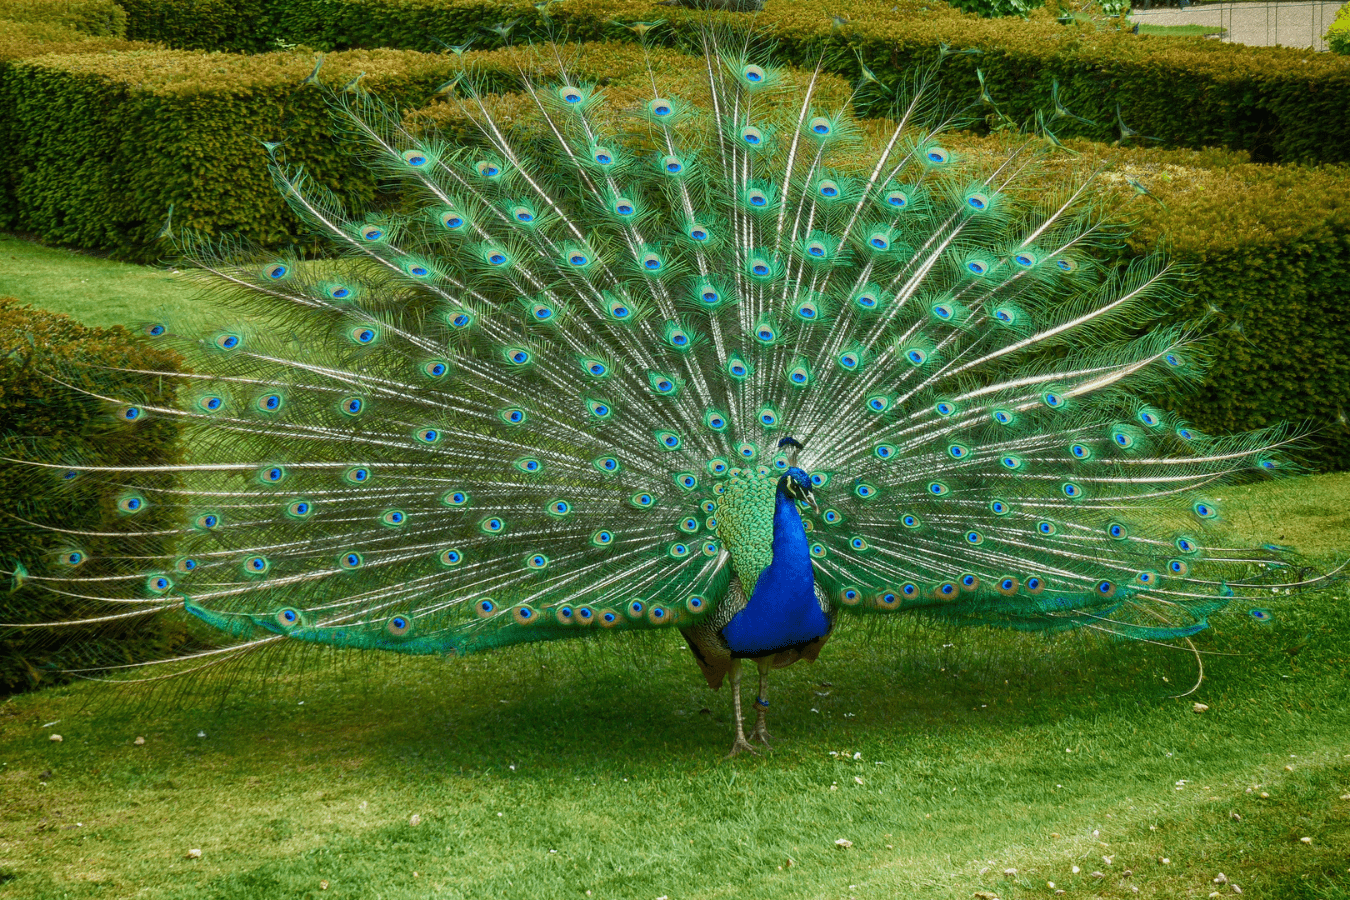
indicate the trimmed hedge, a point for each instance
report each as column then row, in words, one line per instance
column 41, row 420
column 109, row 142
column 97, row 18
column 239, row 26
column 1270, row 245
column 1278, row 104
column 1268, row 249
column 19, row 40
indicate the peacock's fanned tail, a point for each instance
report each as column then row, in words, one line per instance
column 515, row 407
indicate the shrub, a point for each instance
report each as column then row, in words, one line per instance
column 240, row 26
column 97, row 18
column 1267, row 249
column 42, row 420
column 1338, row 35
column 1278, row 104
column 19, row 40
column 108, row 143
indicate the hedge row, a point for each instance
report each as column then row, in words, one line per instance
column 1270, row 245
column 19, row 40
column 239, row 26
column 108, row 143
column 1268, row 248
column 58, row 425
column 1278, row 104
column 98, row 18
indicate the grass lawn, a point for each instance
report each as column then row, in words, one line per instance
column 948, row 759
column 955, row 762
column 93, row 290
column 1180, row 30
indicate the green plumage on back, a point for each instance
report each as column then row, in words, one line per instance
column 744, row 512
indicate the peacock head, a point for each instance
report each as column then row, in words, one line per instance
column 795, row 484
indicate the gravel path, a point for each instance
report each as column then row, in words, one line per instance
column 1259, row 24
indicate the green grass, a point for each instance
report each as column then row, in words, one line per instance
column 1181, row 30
column 96, row 291
column 977, row 751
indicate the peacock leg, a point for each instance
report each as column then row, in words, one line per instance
column 741, row 742
column 761, row 733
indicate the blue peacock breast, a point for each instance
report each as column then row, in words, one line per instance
column 763, row 531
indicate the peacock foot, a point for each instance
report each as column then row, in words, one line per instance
column 741, row 745
column 761, row 734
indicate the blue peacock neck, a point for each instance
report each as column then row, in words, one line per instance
column 791, row 552
column 782, row 611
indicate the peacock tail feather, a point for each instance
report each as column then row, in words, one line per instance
column 542, row 394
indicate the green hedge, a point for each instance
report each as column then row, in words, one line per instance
column 41, row 420
column 109, row 142
column 1279, row 104
column 1268, row 248
column 1276, row 103
column 97, row 18
column 1270, row 245
column 240, row 26
column 20, row 40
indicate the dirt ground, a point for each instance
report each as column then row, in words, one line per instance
column 1258, row 24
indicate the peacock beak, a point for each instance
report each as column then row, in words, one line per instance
column 811, row 499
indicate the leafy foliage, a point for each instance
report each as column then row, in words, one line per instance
column 57, row 427
column 97, row 18
column 1267, row 244
column 1338, row 35
column 181, row 130
column 221, row 25
column 1279, row 104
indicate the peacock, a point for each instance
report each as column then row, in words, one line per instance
column 726, row 359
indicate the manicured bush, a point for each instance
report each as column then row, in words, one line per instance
column 1269, row 245
column 1267, row 248
column 241, row 26
column 19, row 40
column 108, row 143
column 42, row 420
column 1277, row 103
column 97, row 18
